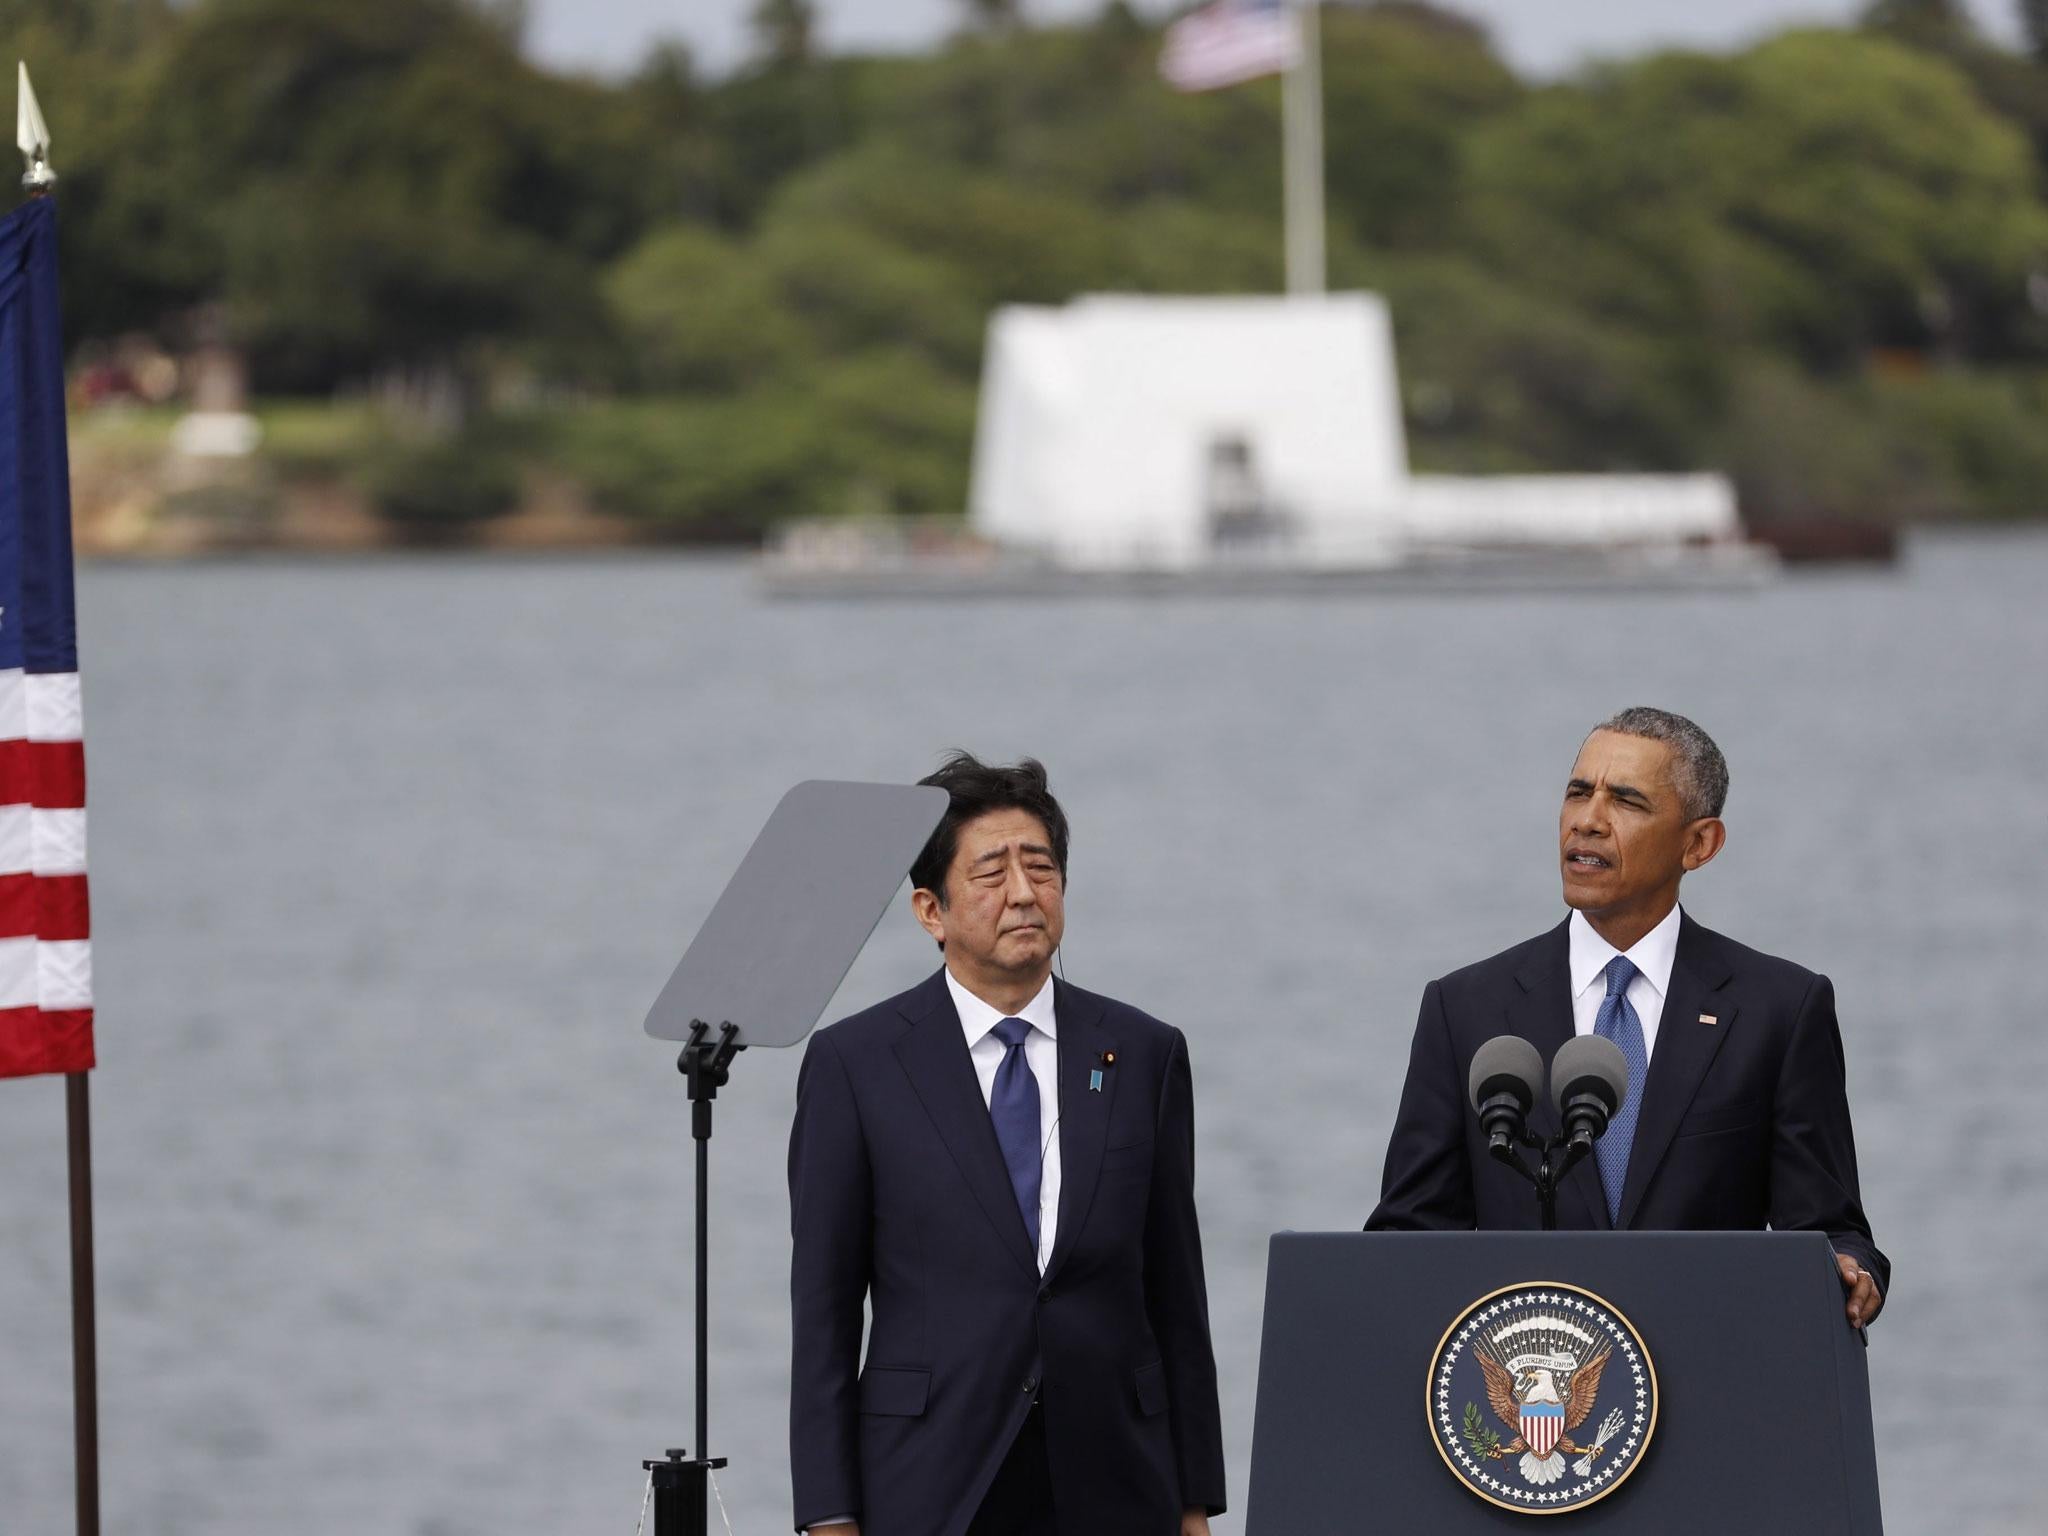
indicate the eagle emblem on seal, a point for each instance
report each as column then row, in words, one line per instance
column 1570, row 1395
column 1543, row 1390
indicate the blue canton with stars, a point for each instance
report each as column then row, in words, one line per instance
column 1542, row 1398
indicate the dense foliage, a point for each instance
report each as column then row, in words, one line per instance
column 1821, row 264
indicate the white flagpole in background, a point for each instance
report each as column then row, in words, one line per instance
column 1302, row 153
column 1228, row 42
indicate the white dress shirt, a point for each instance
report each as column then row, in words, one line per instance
column 1652, row 956
column 1042, row 1054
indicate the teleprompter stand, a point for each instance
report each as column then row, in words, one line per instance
column 680, row 1484
column 781, row 938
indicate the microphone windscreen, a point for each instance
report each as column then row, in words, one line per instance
column 1507, row 1063
column 1587, row 1063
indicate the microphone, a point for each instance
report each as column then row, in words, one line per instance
column 1507, row 1075
column 1588, row 1082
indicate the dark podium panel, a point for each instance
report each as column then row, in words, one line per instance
column 1763, row 1422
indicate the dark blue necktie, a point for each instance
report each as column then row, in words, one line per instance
column 1013, row 1106
column 1617, row 1021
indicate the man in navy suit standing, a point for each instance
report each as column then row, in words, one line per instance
column 1000, row 1166
column 1736, row 1115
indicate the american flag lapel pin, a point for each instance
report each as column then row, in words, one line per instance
column 1708, row 1018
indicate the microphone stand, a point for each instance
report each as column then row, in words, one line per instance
column 1549, row 1172
column 681, row 1486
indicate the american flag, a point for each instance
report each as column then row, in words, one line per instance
column 45, row 933
column 1228, row 43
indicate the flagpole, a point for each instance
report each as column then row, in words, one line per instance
column 85, row 1395
column 1301, row 113
column 32, row 136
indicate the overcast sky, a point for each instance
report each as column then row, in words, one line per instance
column 1538, row 36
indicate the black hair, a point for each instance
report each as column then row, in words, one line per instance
column 976, row 789
column 1699, row 770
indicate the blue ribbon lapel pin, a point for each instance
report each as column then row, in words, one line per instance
column 1107, row 1060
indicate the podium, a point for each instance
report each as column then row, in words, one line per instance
column 1754, row 1407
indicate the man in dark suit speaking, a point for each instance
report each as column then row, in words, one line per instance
column 1736, row 1115
column 1002, row 1167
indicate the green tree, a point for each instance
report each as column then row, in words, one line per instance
column 770, row 124
column 785, row 31
column 1003, row 241
column 992, row 15
column 2034, row 26
column 854, row 288
column 669, row 117
column 1926, row 18
column 376, row 184
column 1822, row 194
column 900, row 433
column 2012, row 84
column 1118, row 21
column 1175, row 245
column 1404, row 86
column 82, row 26
column 1497, row 378
column 1807, row 262
column 510, row 17
column 88, row 59
column 697, row 312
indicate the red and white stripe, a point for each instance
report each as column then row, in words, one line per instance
column 45, row 923
column 1542, row 1431
column 1228, row 43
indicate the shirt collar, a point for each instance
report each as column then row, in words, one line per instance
column 1653, row 955
column 977, row 1018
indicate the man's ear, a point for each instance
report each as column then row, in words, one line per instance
column 930, row 915
column 1703, row 839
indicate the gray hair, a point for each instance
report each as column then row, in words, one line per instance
column 1700, row 771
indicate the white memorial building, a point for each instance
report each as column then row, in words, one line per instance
column 1128, row 433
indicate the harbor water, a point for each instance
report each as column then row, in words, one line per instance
column 390, row 857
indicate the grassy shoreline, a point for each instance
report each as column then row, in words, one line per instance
column 345, row 477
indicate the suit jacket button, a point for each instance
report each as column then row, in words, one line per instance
column 1046, row 1294
column 1030, row 1383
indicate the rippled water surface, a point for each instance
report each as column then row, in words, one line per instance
column 390, row 858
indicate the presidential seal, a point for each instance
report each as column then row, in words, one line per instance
column 1541, row 1398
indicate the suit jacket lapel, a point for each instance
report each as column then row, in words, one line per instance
column 1686, row 1048
column 933, row 1052
column 1084, row 1113
column 1542, row 1015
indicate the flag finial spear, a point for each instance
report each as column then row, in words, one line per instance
column 33, row 135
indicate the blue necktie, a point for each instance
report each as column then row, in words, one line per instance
column 1013, row 1106
column 1617, row 1021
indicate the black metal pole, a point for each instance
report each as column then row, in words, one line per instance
column 85, row 1396
column 701, row 1118
column 682, row 1484
column 1548, row 1173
